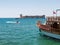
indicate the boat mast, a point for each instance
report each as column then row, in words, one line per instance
column 56, row 13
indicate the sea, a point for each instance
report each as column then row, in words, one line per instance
column 23, row 31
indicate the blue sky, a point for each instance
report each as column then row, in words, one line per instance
column 12, row 8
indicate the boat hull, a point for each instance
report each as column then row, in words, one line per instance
column 50, row 34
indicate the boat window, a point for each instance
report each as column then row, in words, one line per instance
column 58, row 23
column 55, row 25
column 46, row 23
column 50, row 22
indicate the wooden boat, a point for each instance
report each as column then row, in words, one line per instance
column 51, row 28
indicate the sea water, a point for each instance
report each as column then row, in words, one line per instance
column 25, row 32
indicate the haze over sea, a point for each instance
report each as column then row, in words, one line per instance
column 24, row 33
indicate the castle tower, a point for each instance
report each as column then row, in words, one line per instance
column 20, row 15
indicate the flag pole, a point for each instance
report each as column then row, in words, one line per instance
column 56, row 14
column 53, row 16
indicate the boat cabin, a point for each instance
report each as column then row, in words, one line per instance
column 55, row 24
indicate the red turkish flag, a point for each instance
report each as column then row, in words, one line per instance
column 54, row 12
